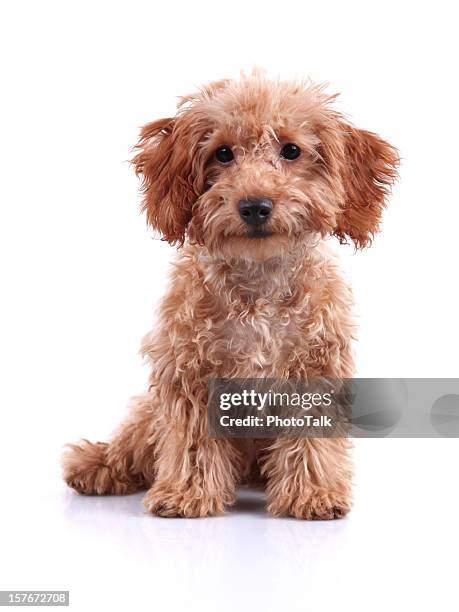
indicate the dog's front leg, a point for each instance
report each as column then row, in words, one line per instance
column 195, row 475
column 308, row 478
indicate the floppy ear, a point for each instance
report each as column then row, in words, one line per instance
column 165, row 163
column 367, row 167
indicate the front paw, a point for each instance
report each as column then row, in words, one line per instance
column 317, row 506
column 167, row 501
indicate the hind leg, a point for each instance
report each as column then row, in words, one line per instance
column 125, row 464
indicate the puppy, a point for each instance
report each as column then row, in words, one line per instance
column 249, row 179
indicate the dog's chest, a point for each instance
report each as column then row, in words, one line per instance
column 259, row 340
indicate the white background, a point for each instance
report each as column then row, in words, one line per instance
column 80, row 277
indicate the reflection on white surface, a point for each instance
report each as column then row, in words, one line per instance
column 239, row 557
column 111, row 555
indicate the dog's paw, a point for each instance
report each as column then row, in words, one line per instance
column 85, row 469
column 318, row 507
column 164, row 500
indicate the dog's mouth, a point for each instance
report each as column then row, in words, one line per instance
column 259, row 234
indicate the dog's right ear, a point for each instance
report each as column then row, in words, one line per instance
column 164, row 162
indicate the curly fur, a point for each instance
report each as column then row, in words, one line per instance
column 239, row 306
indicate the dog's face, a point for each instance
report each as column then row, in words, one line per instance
column 255, row 168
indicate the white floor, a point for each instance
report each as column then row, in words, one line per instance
column 396, row 550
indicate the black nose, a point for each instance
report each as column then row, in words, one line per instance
column 255, row 211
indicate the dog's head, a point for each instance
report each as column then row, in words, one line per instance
column 253, row 168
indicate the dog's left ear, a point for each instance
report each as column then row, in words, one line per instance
column 367, row 167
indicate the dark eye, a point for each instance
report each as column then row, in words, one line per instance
column 290, row 151
column 224, row 154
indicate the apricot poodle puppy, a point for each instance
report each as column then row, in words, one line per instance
column 250, row 179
